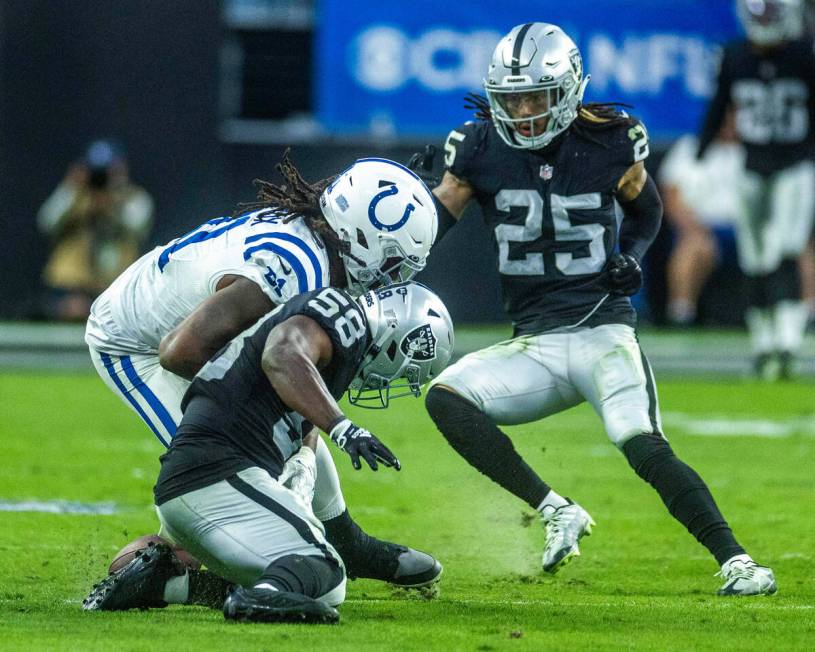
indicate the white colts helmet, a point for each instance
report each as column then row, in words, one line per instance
column 411, row 343
column 386, row 217
column 535, row 58
column 769, row 22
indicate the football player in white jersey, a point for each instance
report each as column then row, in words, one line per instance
column 169, row 312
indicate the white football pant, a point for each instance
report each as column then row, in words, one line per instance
column 777, row 217
column 529, row 378
column 238, row 526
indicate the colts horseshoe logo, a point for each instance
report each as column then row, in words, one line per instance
column 392, row 190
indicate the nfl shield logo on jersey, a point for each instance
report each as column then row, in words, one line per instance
column 546, row 172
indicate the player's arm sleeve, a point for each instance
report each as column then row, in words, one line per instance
column 643, row 217
column 446, row 219
column 717, row 108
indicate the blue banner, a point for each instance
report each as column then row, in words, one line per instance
column 397, row 68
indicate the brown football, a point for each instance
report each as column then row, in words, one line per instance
column 128, row 553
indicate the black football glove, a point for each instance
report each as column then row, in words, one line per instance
column 358, row 442
column 421, row 163
column 623, row 274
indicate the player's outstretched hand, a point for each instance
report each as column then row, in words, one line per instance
column 623, row 274
column 358, row 442
column 421, row 163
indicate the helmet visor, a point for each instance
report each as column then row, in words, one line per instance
column 396, row 267
column 528, row 112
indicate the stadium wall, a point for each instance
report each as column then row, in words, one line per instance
column 73, row 71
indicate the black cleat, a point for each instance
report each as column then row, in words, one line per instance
column 268, row 606
column 139, row 585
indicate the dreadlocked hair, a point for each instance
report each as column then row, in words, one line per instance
column 479, row 104
column 296, row 198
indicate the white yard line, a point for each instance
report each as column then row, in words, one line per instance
column 58, row 507
column 723, row 425
column 645, row 603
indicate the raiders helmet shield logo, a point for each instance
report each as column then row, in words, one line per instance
column 419, row 344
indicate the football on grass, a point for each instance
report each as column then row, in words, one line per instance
column 128, row 553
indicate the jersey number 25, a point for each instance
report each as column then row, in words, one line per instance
column 532, row 229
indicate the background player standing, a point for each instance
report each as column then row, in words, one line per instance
column 768, row 79
column 564, row 190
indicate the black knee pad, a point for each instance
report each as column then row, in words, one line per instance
column 308, row 575
column 450, row 411
column 464, row 425
column 475, row 437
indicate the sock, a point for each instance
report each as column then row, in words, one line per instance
column 479, row 441
column 206, row 589
column 552, row 502
column 760, row 325
column 790, row 323
column 684, row 493
column 177, row 589
column 363, row 555
column 328, row 500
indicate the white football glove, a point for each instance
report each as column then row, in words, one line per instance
column 300, row 473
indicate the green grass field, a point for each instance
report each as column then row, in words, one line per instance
column 642, row 581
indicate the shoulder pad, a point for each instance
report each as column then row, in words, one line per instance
column 461, row 146
column 285, row 265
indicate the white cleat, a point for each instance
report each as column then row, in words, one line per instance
column 746, row 577
column 564, row 528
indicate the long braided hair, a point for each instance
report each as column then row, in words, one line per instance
column 591, row 116
column 295, row 198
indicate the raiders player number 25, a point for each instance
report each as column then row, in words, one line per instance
column 563, row 188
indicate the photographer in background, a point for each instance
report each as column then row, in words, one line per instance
column 97, row 221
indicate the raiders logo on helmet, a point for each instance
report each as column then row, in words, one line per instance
column 419, row 344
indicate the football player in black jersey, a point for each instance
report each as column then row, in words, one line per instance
column 768, row 79
column 563, row 187
column 246, row 413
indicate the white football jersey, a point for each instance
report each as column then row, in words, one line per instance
column 154, row 294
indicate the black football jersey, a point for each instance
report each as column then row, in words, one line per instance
column 233, row 418
column 553, row 217
column 773, row 94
